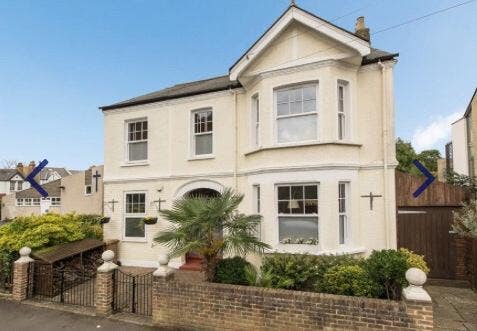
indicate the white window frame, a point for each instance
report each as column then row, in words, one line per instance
column 35, row 201
column 127, row 142
column 134, row 215
column 277, row 185
column 255, row 121
column 28, row 202
column 343, row 231
column 19, row 202
column 277, row 117
column 257, row 201
column 12, row 185
column 55, row 201
column 343, row 112
column 193, row 134
column 86, row 189
column 19, row 185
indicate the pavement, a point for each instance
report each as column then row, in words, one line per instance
column 454, row 308
column 24, row 317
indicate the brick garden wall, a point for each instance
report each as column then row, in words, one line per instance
column 206, row 306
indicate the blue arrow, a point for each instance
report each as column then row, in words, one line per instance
column 31, row 178
column 429, row 180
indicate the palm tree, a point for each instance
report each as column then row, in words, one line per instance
column 211, row 227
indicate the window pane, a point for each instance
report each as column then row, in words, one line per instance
column 296, row 95
column 134, row 227
column 296, row 107
column 283, row 207
column 342, row 229
column 309, row 106
column 309, row 93
column 282, row 96
column 342, row 190
column 311, row 192
column 297, row 128
column 296, row 228
column 341, row 126
column 297, row 192
column 296, row 206
column 203, row 144
column 283, row 192
column 283, row 109
column 311, row 206
column 138, row 151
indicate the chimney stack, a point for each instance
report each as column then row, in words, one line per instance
column 31, row 166
column 20, row 167
column 361, row 30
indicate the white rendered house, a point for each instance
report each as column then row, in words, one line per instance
column 303, row 125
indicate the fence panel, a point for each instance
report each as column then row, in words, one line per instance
column 132, row 293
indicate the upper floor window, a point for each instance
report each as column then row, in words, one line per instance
column 342, row 110
column 137, row 140
column 12, row 185
column 298, row 213
column 135, row 212
column 297, row 116
column 19, row 185
column 255, row 121
column 203, row 132
column 88, row 190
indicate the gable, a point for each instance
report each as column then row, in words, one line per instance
column 298, row 44
column 294, row 14
column 16, row 177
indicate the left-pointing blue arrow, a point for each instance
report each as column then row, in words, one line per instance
column 31, row 178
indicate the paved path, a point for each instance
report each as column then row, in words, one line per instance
column 454, row 308
column 22, row 317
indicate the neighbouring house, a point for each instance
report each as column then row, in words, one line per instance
column 302, row 125
column 81, row 192
column 460, row 152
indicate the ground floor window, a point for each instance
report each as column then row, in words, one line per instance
column 343, row 197
column 298, row 213
column 135, row 211
column 56, row 201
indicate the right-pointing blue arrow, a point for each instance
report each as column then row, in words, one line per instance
column 429, row 180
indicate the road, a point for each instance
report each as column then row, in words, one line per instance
column 22, row 317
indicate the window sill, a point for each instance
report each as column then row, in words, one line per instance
column 134, row 240
column 314, row 249
column 135, row 164
column 305, row 144
column 201, row 157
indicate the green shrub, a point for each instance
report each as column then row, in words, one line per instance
column 254, row 278
column 387, row 268
column 325, row 262
column 39, row 232
column 414, row 260
column 349, row 280
column 300, row 271
column 232, row 271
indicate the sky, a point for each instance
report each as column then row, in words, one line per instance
column 61, row 60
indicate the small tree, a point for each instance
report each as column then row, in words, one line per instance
column 465, row 220
column 211, row 227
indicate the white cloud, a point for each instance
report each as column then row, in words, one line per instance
column 435, row 134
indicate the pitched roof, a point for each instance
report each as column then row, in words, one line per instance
column 215, row 84
column 53, row 189
column 469, row 107
column 6, row 174
column 62, row 172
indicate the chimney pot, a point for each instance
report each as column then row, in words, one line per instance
column 361, row 30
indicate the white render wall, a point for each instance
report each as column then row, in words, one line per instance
column 460, row 157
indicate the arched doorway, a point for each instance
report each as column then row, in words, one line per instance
column 193, row 260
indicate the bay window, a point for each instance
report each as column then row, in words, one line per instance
column 297, row 116
column 202, row 132
column 137, row 140
column 298, row 213
column 135, row 211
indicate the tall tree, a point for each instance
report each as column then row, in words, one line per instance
column 405, row 154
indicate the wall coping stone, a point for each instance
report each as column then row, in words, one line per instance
column 24, row 255
column 108, row 264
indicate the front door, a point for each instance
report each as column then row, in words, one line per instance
column 45, row 204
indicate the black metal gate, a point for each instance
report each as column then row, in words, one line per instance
column 132, row 293
column 63, row 285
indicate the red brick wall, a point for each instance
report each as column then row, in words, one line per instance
column 228, row 307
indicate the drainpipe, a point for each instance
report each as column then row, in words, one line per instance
column 385, row 150
column 235, row 141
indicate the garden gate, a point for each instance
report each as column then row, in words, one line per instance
column 424, row 223
column 62, row 284
column 132, row 292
